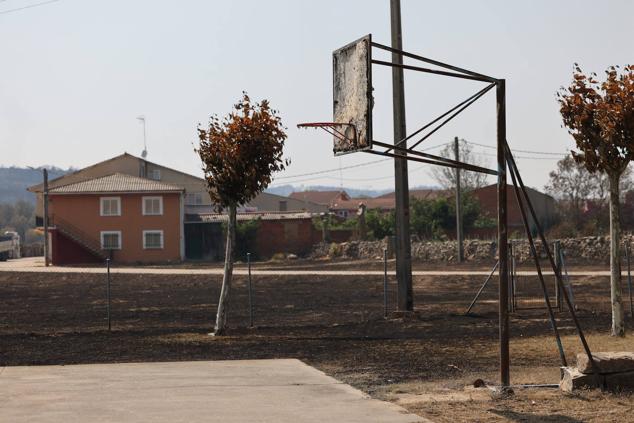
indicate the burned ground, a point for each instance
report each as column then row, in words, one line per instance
column 332, row 322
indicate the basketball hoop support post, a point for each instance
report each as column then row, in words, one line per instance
column 405, row 295
column 351, row 129
column 502, row 234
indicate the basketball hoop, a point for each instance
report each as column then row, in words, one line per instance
column 345, row 134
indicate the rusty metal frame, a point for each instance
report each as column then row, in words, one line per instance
column 519, row 186
column 504, row 158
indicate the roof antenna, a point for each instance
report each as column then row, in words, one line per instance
column 144, row 152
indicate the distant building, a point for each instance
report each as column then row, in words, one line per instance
column 81, row 234
column 277, row 232
column 344, row 206
column 341, row 204
column 543, row 204
column 126, row 218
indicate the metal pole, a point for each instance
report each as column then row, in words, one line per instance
column 108, row 294
column 486, row 281
column 510, row 255
column 505, row 378
column 45, row 198
column 533, row 249
column 557, row 252
column 512, row 281
column 250, row 292
column 385, row 283
column 401, row 187
column 566, row 283
column 629, row 278
column 456, row 150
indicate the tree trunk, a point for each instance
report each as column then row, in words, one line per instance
column 618, row 325
column 221, row 316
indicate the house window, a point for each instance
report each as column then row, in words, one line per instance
column 152, row 240
column 154, row 174
column 110, row 240
column 283, row 206
column 152, row 206
column 193, row 199
column 110, row 206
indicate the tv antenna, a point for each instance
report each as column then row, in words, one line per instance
column 144, row 152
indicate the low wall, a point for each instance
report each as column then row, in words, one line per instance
column 587, row 250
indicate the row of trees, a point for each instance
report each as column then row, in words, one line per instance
column 241, row 151
column 429, row 219
column 582, row 200
column 20, row 217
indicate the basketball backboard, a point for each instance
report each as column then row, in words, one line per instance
column 352, row 96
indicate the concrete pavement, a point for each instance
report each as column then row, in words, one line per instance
column 284, row 390
column 36, row 264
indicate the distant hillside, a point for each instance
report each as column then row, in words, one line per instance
column 15, row 180
column 353, row 192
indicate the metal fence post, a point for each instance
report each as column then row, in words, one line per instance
column 629, row 278
column 250, row 291
column 108, row 294
column 511, row 277
column 385, row 283
column 557, row 253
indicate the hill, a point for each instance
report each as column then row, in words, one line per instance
column 353, row 192
column 15, row 180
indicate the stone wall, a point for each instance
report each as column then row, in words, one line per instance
column 587, row 250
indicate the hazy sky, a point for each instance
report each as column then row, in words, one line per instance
column 75, row 74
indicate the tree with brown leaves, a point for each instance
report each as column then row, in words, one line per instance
column 600, row 117
column 239, row 153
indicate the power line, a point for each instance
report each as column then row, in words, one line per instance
column 350, row 179
column 27, row 7
column 548, row 153
column 519, row 157
column 320, row 172
column 339, row 169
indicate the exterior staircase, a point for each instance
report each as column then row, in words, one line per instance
column 80, row 237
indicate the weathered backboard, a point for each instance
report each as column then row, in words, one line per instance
column 352, row 96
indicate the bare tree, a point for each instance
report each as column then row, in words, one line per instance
column 575, row 187
column 446, row 177
column 239, row 153
column 600, row 117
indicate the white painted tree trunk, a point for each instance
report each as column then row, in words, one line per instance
column 618, row 324
column 221, row 316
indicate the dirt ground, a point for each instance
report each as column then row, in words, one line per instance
column 427, row 361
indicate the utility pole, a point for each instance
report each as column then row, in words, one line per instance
column 503, row 251
column 456, row 149
column 45, row 195
column 401, row 188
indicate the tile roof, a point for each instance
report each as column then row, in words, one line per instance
column 319, row 197
column 117, row 182
column 387, row 201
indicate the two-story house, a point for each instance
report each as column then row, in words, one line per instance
column 126, row 218
column 130, row 181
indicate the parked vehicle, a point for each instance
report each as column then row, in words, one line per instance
column 9, row 246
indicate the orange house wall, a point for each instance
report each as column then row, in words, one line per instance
column 82, row 211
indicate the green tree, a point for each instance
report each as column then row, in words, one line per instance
column 432, row 219
column 379, row 224
column 600, row 118
column 239, row 154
